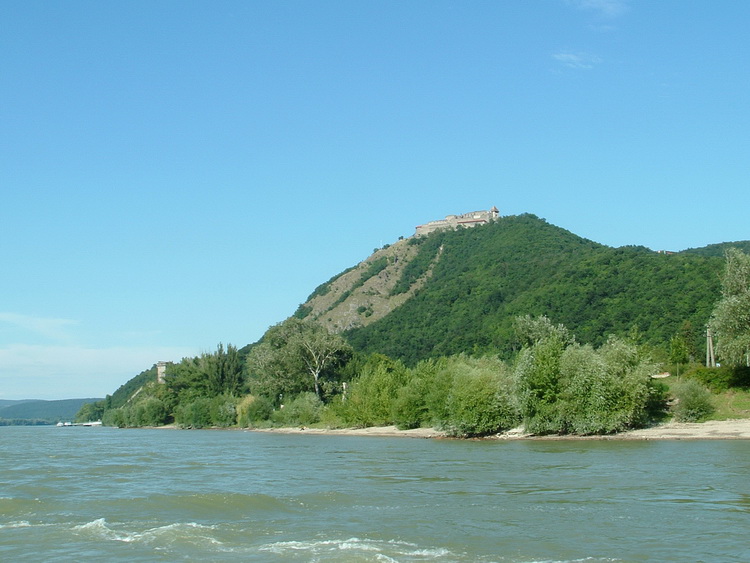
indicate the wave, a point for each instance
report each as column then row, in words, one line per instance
column 19, row 524
column 359, row 549
column 168, row 534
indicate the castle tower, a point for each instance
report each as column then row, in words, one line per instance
column 161, row 368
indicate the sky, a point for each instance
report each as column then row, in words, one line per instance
column 175, row 174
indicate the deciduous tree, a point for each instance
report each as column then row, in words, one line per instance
column 295, row 356
column 730, row 321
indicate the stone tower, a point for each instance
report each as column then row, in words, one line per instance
column 160, row 369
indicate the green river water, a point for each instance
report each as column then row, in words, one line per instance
column 102, row 494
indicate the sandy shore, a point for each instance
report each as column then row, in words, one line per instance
column 389, row 431
column 712, row 430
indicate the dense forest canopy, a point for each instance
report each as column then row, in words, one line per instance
column 486, row 276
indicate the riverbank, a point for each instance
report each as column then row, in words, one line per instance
column 711, row 430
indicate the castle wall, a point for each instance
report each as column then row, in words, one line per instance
column 470, row 219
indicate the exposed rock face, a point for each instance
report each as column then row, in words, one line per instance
column 362, row 295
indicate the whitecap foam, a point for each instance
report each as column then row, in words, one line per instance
column 99, row 528
column 169, row 533
column 18, row 524
column 380, row 550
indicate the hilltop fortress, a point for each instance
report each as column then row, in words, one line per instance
column 471, row 219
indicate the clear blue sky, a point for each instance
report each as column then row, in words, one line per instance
column 175, row 174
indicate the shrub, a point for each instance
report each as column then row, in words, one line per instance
column 253, row 409
column 149, row 412
column 479, row 405
column 115, row 417
column 608, row 390
column 195, row 414
column 722, row 378
column 370, row 397
column 567, row 388
column 305, row 409
column 223, row 411
column 409, row 407
column 537, row 384
column 693, row 402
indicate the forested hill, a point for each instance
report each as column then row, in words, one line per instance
column 459, row 291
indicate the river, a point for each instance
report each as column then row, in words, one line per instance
column 103, row 494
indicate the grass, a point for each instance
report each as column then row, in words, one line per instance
column 731, row 404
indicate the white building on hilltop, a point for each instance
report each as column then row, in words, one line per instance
column 471, row 219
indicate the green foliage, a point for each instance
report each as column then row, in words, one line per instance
column 297, row 356
column 564, row 387
column 194, row 414
column 719, row 249
column 538, row 386
column 325, row 288
column 422, row 400
column 223, row 371
column 224, row 411
column 409, row 407
column 24, row 422
column 486, row 276
column 253, row 410
column 480, row 400
column 693, row 402
column 150, row 411
column 730, row 320
column 90, row 412
column 305, row 409
column 369, row 401
column 303, row 311
column 208, row 375
column 123, row 393
column 720, row 379
column 115, row 417
column 533, row 330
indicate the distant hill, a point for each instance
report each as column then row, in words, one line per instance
column 720, row 248
column 41, row 411
column 457, row 291
column 8, row 402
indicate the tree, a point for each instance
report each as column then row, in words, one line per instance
column 730, row 321
column 223, row 370
column 296, row 355
column 208, row 375
column 532, row 330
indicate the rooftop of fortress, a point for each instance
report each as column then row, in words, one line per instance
column 470, row 219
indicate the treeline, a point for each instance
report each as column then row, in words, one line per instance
column 300, row 374
column 25, row 422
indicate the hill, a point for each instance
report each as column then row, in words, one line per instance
column 459, row 291
column 21, row 412
column 456, row 291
